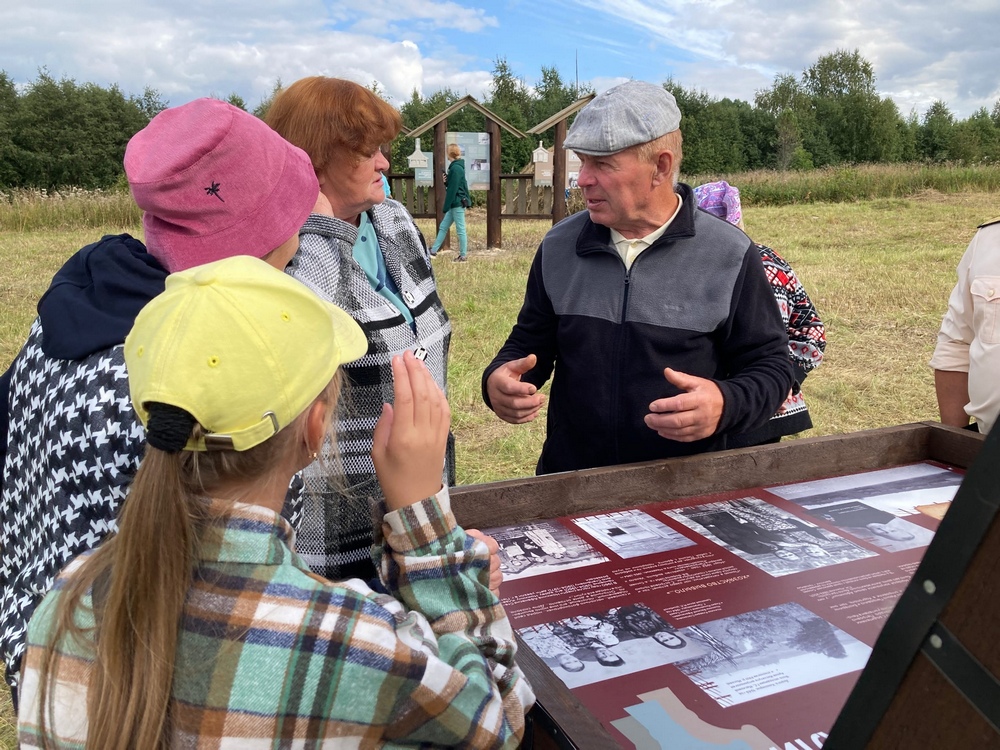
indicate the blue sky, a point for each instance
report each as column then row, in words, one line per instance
column 922, row 50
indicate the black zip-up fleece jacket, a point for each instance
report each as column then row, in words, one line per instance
column 697, row 300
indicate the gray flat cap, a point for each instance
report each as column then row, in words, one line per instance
column 625, row 115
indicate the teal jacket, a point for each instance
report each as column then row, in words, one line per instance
column 458, row 188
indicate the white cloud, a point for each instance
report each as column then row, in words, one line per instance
column 922, row 50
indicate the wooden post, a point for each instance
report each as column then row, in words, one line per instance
column 559, row 174
column 440, row 167
column 494, row 236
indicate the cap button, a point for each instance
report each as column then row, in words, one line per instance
column 204, row 277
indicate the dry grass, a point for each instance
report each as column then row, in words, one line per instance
column 880, row 274
column 878, row 271
column 850, row 183
column 8, row 722
column 26, row 210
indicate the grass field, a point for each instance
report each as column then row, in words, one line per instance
column 878, row 271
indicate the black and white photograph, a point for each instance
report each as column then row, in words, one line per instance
column 768, row 537
column 541, row 547
column 901, row 491
column 632, row 533
column 874, row 525
column 768, row 651
column 590, row 648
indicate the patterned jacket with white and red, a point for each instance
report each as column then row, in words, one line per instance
column 806, row 343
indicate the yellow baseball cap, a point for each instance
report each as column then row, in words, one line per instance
column 239, row 345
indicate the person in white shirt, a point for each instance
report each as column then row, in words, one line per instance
column 967, row 357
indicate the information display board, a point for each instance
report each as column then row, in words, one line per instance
column 739, row 619
column 424, row 176
column 476, row 152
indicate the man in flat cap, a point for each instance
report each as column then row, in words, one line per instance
column 657, row 317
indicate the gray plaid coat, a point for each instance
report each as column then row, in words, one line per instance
column 336, row 533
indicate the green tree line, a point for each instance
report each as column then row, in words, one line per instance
column 58, row 133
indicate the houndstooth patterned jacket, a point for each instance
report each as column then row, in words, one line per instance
column 74, row 447
column 75, row 444
column 336, row 534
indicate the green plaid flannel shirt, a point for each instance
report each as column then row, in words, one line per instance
column 271, row 655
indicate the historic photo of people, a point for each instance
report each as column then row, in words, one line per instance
column 590, row 648
column 766, row 536
column 873, row 525
column 541, row 547
column 873, row 505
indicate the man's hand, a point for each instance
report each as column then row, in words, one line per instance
column 689, row 416
column 496, row 575
column 512, row 400
column 411, row 436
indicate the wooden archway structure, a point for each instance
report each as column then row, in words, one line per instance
column 558, row 153
column 494, row 235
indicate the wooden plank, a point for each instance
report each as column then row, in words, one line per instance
column 559, row 174
column 494, row 230
column 522, row 190
column 953, row 445
column 929, row 713
column 971, row 615
column 440, row 167
column 519, row 500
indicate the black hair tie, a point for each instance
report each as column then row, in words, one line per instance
column 168, row 427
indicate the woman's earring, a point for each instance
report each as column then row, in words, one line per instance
column 315, row 455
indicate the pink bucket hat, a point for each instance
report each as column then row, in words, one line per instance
column 720, row 199
column 214, row 181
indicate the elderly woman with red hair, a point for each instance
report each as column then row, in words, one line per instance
column 363, row 252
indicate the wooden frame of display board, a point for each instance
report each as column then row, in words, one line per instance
column 932, row 679
column 559, row 718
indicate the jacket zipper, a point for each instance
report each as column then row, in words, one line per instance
column 618, row 370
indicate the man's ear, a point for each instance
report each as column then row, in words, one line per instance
column 664, row 171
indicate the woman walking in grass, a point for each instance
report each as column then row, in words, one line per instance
column 456, row 200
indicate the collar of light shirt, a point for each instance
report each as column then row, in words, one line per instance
column 630, row 249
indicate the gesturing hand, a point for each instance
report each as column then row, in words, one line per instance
column 411, row 436
column 688, row 416
column 513, row 400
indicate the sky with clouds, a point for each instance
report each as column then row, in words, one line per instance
column 922, row 50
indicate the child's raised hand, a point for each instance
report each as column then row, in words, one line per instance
column 411, row 436
column 496, row 575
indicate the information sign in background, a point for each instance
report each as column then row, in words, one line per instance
column 476, row 152
column 424, row 176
